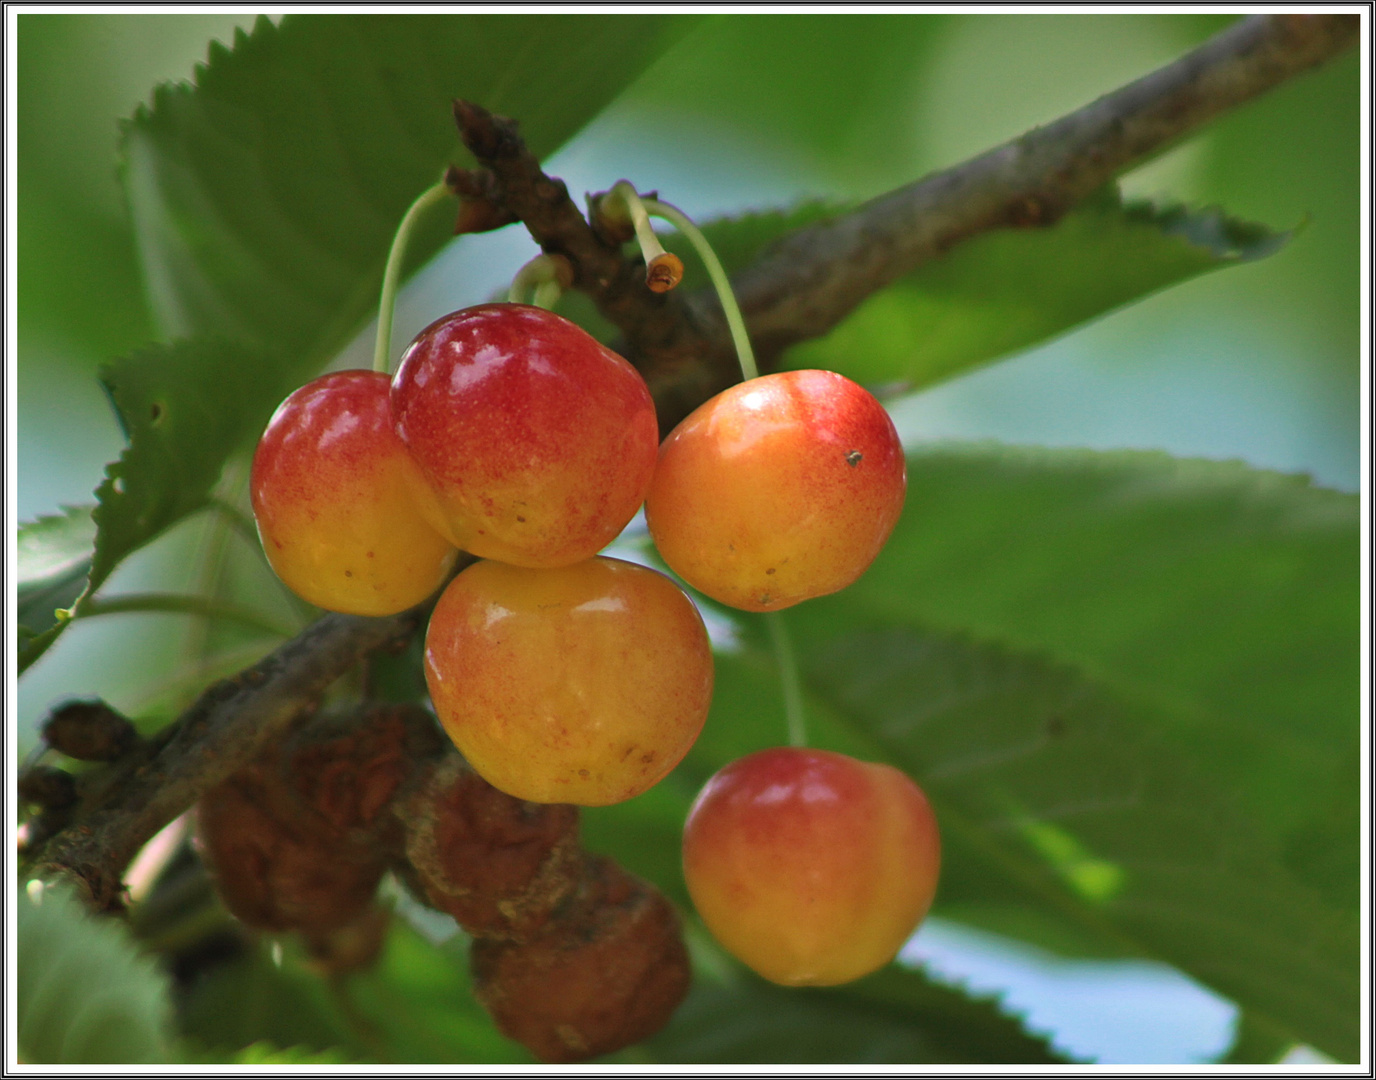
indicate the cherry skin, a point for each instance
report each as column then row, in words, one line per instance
column 778, row 489
column 809, row 866
column 580, row 684
column 536, row 440
column 329, row 487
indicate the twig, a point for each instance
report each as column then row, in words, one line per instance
column 125, row 804
column 807, row 283
column 662, row 337
column 815, row 277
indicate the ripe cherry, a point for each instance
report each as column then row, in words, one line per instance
column 779, row 489
column 330, row 490
column 537, row 441
column 811, row 867
column 580, row 684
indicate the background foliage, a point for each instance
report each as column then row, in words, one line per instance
column 1129, row 681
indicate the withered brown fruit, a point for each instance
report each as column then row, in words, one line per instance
column 497, row 864
column 606, row 971
column 300, row 838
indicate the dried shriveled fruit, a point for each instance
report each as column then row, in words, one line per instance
column 496, row 863
column 300, row 838
column 606, row 971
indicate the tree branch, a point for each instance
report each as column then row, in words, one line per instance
column 812, row 279
column 816, row 276
column 125, row 804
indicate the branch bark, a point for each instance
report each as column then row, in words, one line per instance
column 811, row 280
column 125, row 804
column 815, row 277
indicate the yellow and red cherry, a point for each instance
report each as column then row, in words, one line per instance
column 536, row 441
column 778, row 489
column 580, row 684
column 330, row 487
column 811, row 867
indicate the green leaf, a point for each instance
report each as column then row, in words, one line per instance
column 53, row 549
column 895, row 1016
column 261, row 1053
column 85, row 994
column 184, row 408
column 266, row 196
column 1229, row 597
column 250, row 999
column 415, row 1005
column 54, row 556
column 419, row 1001
column 1002, row 291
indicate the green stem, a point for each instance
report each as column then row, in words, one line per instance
column 544, row 278
column 734, row 320
column 547, row 294
column 637, row 209
column 391, row 277
column 178, row 603
column 788, row 675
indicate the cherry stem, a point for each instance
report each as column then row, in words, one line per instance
column 545, row 277
column 391, row 276
column 178, row 603
column 788, row 676
column 734, row 320
column 663, row 269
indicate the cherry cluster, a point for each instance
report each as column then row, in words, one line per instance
column 565, row 677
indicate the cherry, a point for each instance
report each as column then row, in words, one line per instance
column 811, row 867
column 779, row 489
column 330, row 491
column 582, row 684
column 537, row 442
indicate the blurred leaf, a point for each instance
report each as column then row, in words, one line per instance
column 1002, row 291
column 834, row 94
column 78, row 279
column 53, row 548
column 184, row 408
column 265, row 197
column 895, row 1016
column 420, row 1003
column 262, row 1053
column 250, row 999
column 85, row 995
column 1256, row 1044
column 54, row 555
column 414, row 1006
column 1229, row 597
